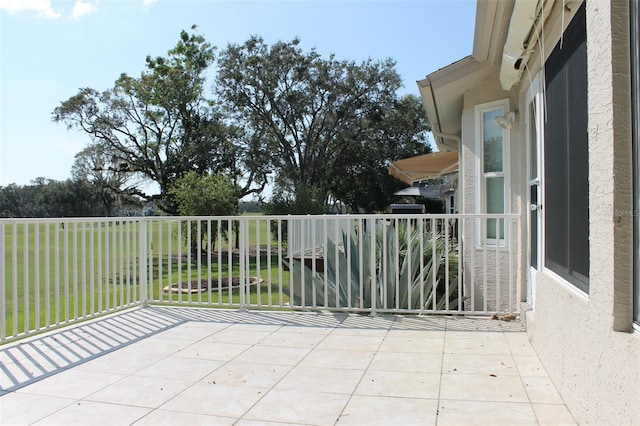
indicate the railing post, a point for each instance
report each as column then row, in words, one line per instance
column 243, row 252
column 142, row 261
column 374, row 296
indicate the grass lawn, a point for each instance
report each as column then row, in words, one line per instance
column 59, row 273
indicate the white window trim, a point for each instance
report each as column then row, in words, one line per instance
column 535, row 95
column 481, row 208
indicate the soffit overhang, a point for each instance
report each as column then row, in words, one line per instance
column 442, row 91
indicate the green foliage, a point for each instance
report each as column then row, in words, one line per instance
column 408, row 272
column 51, row 198
column 308, row 121
column 212, row 195
column 303, row 201
column 362, row 180
column 96, row 165
column 332, row 125
column 161, row 125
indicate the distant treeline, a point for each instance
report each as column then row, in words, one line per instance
column 68, row 198
column 77, row 198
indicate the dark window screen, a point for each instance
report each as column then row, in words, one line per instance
column 566, row 210
column 634, row 34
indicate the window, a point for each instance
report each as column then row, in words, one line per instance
column 566, row 162
column 634, row 32
column 493, row 147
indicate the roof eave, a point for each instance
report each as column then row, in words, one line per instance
column 442, row 91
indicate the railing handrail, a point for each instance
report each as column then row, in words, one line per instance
column 250, row 216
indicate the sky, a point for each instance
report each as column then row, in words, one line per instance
column 51, row 48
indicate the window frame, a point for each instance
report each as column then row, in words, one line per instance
column 566, row 272
column 503, row 106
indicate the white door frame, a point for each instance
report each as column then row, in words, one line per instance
column 534, row 125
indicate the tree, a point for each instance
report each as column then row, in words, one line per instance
column 95, row 164
column 320, row 118
column 160, row 125
column 12, row 201
column 50, row 198
column 364, row 183
column 212, row 195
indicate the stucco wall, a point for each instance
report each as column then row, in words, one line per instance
column 485, row 277
column 586, row 342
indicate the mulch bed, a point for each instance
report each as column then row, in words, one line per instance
column 198, row 286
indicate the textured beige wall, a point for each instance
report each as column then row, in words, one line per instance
column 586, row 341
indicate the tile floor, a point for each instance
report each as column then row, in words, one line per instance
column 181, row 366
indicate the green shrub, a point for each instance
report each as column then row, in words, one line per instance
column 408, row 272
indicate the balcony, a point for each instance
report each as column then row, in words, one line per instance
column 308, row 320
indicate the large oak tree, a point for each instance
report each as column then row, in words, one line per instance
column 161, row 125
column 325, row 128
column 331, row 126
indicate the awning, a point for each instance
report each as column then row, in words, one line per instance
column 410, row 170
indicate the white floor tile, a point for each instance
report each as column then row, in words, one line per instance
column 74, row 383
column 529, row 366
column 292, row 339
column 299, row 407
column 272, row 368
column 141, row 391
column 262, row 354
column 399, row 384
column 541, row 390
column 553, row 415
column 184, row 332
column 236, row 373
column 397, row 343
column 24, row 409
column 482, row 387
column 383, row 411
column 119, row 362
column 456, row 413
column 216, row 399
column 520, row 344
column 238, row 336
column 500, row 365
column 348, row 342
column 467, row 345
column 173, row 418
column 407, row 361
column 181, row 368
column 84, row 413
column 212, row 350
column 332, row 380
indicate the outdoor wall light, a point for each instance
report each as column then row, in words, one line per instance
column 506, row 120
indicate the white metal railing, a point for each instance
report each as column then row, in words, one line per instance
column 302, row 233
column 59, row 271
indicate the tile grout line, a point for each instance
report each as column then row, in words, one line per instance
column 364, row 372
column 444, row 342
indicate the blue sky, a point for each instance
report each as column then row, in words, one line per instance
column 51, row 48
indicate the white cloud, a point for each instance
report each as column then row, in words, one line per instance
column 148, row 2
column 43, row 7
column 81, row 8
